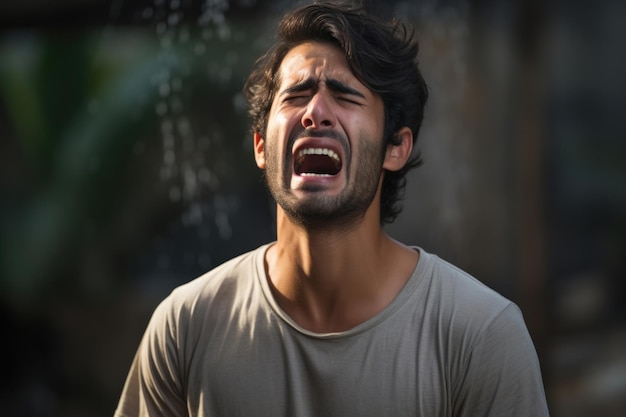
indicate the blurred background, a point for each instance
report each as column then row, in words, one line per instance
column 126, row 169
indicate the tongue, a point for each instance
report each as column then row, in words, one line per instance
column 317, row 164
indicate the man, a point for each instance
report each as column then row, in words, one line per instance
column 335, row 318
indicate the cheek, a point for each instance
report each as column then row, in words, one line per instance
column 279, row 131
column 273, row 148
column 281, row 123
column 377, row 119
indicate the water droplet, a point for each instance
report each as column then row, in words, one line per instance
column 232, row 58
column 175, row 194
column 167, row 126
column 176, row 105
column 166, row 173
column 169, row 157
column 168, row 141
column 199, row 49
column 183, row 127
column 204, row 175
column 173, row 19
column 239, row 102
column 163, row 76
column 177, row 85
column 225, row 74
column 166, row 42
column 224, row 32
column 161, row 108
column 183, row 36
column 204, row 143
column 223, row 225
column 164, row 89
column 207, row 34
column 161, row 28
column 190, row 181
column 147, row 13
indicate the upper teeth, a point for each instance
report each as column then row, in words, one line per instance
column 319, row 151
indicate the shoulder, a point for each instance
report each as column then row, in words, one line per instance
column 460, row 305
column 458, row 288
column 491, row 352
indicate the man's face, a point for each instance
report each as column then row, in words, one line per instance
column 323, row 149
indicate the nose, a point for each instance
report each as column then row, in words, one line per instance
column 318, row 113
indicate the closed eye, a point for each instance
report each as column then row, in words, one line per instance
column 299, row 90
column 345, row 92
column 296, row 98
column 349, row 100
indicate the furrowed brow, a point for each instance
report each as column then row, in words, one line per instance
column 342, row 88
column 305, row 85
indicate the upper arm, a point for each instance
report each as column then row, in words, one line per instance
column 154, row 385
column 502, row 375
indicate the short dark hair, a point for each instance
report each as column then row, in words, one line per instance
column 382, row 55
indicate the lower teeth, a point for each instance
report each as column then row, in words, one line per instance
column 311, row 174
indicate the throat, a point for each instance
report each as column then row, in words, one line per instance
column 326, row 285
column 323, row 294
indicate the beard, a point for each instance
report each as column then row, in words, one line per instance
column 318, row 211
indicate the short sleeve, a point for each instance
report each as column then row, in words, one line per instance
column 153, row 386
column 502, row 377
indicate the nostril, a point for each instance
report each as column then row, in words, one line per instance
column 326, row 123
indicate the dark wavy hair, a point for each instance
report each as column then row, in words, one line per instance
column 381, row 54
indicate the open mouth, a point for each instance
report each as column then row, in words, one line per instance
column 321, row 162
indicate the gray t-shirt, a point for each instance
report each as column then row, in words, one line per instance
column 446, row 346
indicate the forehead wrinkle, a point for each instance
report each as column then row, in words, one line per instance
column 341, row 87
column 304, row 70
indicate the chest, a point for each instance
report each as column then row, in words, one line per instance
column 273, row 370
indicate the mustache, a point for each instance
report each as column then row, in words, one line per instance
column 319, row 133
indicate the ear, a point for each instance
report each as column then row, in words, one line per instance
column 396, row 156
column 259, row 150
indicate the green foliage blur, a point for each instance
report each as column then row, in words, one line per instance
column 83, row 155
column 126, row 167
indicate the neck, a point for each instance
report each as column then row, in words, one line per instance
column 333, row 279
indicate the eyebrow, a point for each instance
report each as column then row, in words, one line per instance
column 339, row 87
column 333, row 84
